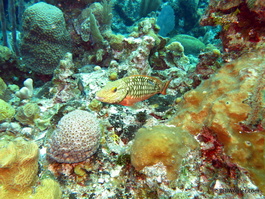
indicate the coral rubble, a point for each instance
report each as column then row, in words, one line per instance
column 28, row 113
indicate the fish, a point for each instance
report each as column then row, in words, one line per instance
column 129, row 90
column 81, row 87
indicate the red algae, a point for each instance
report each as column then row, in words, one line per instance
column 242, row 23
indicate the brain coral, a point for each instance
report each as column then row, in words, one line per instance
column 19, row 169
column 18, row 163
column 76, row 137
column 6, row 110
column 28, row 113
column 45, row 39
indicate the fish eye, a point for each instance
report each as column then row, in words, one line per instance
column 114, row 89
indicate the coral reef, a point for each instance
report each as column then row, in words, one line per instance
column 48, row 188
column 65, row 87
column 45, row 39
column 28, row 113
column 19, row 164
column 170, row 56
column 210, row 61
column 165, row 144
column 7, row 57
column 6, row 110
column 191, row 44
column 76, row 137
column 134, row 51
column 95, row 105
column 18, row 172
column 93, row 26
column 3, row 86
column 26, row 91
column 205, row 137
column 223, row 104
column 242, row 23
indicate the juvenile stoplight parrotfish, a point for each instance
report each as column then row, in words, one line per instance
column 132, row 89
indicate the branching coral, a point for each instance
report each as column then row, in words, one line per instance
column 26, row 91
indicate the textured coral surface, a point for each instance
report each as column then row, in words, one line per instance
column 6, row 110
column 165, row 144
column 242, row 23
column 223, row 104
column 19, row 164
column 76, row 137
column 18, row 172
column 45, row 39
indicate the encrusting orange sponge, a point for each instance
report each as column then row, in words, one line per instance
column 231, row 105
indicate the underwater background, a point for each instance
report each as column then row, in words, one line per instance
column 132, row 99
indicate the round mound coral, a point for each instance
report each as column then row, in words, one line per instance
column 45, row 39
column 76, row 137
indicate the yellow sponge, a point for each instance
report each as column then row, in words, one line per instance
column 161, row 144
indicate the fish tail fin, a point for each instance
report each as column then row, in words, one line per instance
column 164, row 90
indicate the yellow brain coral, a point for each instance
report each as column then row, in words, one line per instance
column 18, row 172
column 28, row 113
column 19, row 164
column 6, row 110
